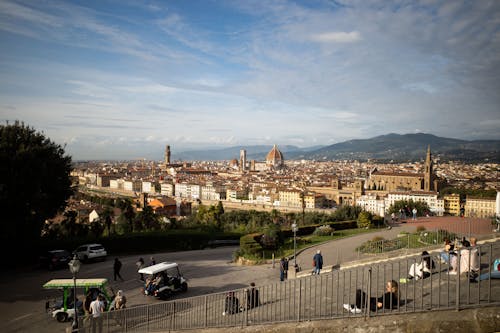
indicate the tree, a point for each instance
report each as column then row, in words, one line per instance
column 34, row 184
column 363, row 220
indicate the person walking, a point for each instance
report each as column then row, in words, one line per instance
column 286, row 268
column 140, row 264
column 117, row 266
column 317, row 262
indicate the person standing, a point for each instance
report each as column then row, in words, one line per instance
column 286, row 268
column 117, row 266
column 282, row 269
column 414, row 211
column 140, row 265
column 120, row 300
column 317, row 262
column 96, row 309
column 153, row 261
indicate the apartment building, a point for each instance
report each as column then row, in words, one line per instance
column 480, row 207
column 452, row 204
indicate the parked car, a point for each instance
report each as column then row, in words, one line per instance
column 55, row 259
column 90, row 252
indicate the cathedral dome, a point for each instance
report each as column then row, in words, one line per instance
column 274, row 157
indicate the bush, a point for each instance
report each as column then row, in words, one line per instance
column 249, row 244
column 324, row 230
column 364, row 220
column 420, row 228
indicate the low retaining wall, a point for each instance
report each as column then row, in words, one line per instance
column 478, row 320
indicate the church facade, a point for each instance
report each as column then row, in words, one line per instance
column 393, row 181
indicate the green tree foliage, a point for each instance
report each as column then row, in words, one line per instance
column 272, row 237
column 363, row 220
column 422, row 207
column 34, row 183
column 147, row 219
column 127, row 216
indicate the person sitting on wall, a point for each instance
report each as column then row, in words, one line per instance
column 389, row 300
column 231, row 304
column 422, row 269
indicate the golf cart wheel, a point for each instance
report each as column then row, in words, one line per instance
column 61, row 317
column 184, row 286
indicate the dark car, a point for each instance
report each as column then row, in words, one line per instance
column 55, row 259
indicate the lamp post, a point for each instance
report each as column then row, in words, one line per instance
column 74, row 267
column 294, row 229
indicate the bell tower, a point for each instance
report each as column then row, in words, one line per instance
column 167, row 155
column 428, row 171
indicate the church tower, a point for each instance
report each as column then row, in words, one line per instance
column 428, row 172
column 243, row 160
column 167, row 155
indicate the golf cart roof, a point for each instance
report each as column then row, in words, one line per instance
column 163, row 266
column 61, row 283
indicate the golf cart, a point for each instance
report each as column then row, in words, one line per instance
column 64, row 310
column 164, row 279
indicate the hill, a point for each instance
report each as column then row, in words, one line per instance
column 404, row 147
column 390, row 147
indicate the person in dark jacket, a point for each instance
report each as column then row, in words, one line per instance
column 117, row 266
column 231, row 304
column 389, row 300
column 252, row 297
column 318, row 262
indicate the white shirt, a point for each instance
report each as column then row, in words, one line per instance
column 96, row 308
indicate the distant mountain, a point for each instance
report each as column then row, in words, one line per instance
column 257, row 153
column 395, row 147
column 406, row 147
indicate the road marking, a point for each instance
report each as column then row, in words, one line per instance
column 22, row 317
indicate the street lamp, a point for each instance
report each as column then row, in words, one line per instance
column 74, row 267
column 294, row 229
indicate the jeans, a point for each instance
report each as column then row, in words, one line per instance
column 486, row 276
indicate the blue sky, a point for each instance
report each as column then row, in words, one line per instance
column 121, row 79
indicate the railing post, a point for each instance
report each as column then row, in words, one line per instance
column 368, row 293
column 147, row 318
column 457, row 291
column 246, row 312
column 300, row 300
column 206, row 311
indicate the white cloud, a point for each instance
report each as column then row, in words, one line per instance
column 337, row 37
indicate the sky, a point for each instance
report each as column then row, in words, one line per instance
column 120, row 79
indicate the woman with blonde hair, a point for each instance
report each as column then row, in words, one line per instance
column 389, row 300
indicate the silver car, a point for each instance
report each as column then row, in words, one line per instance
column 91, row 251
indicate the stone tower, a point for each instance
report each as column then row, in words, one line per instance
column 428, row 172
column 243, row 159
column 167, row 155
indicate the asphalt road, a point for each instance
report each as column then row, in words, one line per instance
column 22, row 298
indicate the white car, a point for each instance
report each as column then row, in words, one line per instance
column 91, row 251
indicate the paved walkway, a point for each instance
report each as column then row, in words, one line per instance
column 343, row 250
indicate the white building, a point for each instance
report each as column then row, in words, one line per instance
column 373, row 204
column 167, row 189
column 431, row 198
column 189, row 191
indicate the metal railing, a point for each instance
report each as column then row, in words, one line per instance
column 315, row 297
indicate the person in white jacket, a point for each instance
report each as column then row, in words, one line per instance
column 423, row 268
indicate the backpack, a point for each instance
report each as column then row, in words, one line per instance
column 496, row 264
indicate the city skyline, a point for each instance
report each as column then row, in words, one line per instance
column 121, row 80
